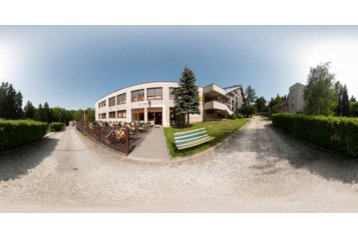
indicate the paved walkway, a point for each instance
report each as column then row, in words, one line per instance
column 152, row 147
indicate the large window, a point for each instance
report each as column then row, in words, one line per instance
column 102, row 116
column 172, row 93
column 102, row 104
column 138, row 95
column 121, row 98
column 112, row 114
column 121, row 114
column 154, row 93
column 112, row 101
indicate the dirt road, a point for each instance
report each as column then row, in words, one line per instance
column 259, row 169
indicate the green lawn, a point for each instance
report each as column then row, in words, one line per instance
column 219, row 129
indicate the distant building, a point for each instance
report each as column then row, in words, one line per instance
column 294, row 102
column 154, row 102
column 295, row 98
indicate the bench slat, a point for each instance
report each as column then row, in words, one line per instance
column 189, row 132
column 184, row 146
column 190, row 139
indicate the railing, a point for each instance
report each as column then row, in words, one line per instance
column 115, row 137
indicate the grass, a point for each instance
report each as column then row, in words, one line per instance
column 219, row 129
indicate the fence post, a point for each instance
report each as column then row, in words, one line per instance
column 126, row 145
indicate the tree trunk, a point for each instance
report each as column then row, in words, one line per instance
column 188, row 119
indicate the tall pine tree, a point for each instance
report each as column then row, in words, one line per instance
column 250, row 95
column 10, row 102
column 29, row 111
column 186, row 96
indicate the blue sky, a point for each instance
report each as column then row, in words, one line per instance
column 73, row 66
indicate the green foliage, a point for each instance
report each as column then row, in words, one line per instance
column 265, row 114
column 240, row 116
column 218, row 129
column 250, row 95
column 56, row 126
column 29, row 111
column 353, row 99
column 247, row 111
column 334, row 133
column 15, row 133
column 260, row 104
column 233, row 116
column 320, row 94
column 342, row 108
column 10, row 102
column 354, row 109
column 186, row 95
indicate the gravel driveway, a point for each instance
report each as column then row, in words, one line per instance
column 258, row 169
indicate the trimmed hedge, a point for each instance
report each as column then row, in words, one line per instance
column 56, row 126
column 15, row 133
column 334, row 133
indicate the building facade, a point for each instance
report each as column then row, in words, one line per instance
column 294, row 102
column 154, row 102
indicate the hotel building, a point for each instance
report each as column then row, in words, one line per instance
column 154, row 102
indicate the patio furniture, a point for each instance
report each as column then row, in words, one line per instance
column 191, row 138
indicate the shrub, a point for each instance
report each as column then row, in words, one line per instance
column 240, row 116
column 15, row 133
column 233, row 116
column 247, row 111
column 334, row 133
column 264, row 114
column 56, row 126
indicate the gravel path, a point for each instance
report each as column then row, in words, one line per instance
column 258, row 170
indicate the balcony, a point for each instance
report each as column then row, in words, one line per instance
column 213, row 91
column 215, row 105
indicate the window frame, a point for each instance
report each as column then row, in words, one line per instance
column 155, row 96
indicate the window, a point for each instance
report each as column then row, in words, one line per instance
column 102, row 116
column 121, row 98
column 121, row 114
column 112, row 114
column 102, row 104
column 172, row 93
column 154, row 93
column 112, row 101
column 138, row 95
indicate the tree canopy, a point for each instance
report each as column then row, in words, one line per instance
column 186, row 96
column 10, row 102
column 250, row 95
column 320, row 94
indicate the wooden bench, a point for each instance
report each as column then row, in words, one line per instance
column 192, row 138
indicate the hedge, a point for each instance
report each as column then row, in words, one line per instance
column 56, row 126
column 15, row 133
column 334, row 133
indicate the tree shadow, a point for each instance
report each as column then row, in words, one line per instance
column 327, row 164
column 17, row 163
column 270, row 146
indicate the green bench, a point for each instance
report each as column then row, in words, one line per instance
column 192, row 138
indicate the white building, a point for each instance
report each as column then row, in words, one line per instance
column 154, row 102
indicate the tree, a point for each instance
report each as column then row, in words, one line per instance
column 91, row 114
column 247, row 111
column 344, row 102
column 10, row 102
column 186, row 96
column 29, row 111
column 354, row 109
column 46, row 113
column 260, row 104
column 39, row 115
column 320, row 94
column 353, row 99
column 250, row 95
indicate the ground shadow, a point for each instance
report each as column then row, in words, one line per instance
column 327, row 164
column 17, row 163
column 272, row 145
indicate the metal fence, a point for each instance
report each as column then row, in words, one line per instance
column 115, row 137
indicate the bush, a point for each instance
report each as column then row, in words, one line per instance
column 265, row 114
column 354, row 109
column 233, row 116
column 56, row 126
column 15, row 133
column 334, row 133
column 247, row 111
column 240, row 116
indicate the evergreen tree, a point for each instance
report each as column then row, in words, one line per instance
column 345, row 102
column 10, row 102
column 186, row 96
column 40, row 113
column 320, row 94
column 46, row 113
column 353, row 99
column 260, row 104
column 250, row 95
column 29, row 111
